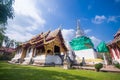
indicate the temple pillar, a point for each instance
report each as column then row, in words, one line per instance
column 24, row 50
column 114, row 54
column 111, row 53
column 118, row 52
column 34, row 51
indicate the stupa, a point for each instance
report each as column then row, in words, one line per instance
column 83, row 47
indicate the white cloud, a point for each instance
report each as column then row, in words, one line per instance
column 19, row 37
column 87, row 31
column 28, row 8
column 51, row 6
column 27, row 20
column 68, row 34
column 95, row 41
column 112, row 18
column 99, row 19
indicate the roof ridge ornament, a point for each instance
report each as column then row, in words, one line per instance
column 60, row 27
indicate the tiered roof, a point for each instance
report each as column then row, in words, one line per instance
column 44, row 38
column 117, row 34
column 116, row 37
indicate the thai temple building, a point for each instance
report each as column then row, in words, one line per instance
column 49, row 48
column 83, row 47
column 43, row 49
column 114, row 47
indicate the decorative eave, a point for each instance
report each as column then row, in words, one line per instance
column 45, row 38
column 117, row 34
column 116, row 39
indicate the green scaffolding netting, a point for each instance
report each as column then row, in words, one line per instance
column 81, row 43
column 102, row 47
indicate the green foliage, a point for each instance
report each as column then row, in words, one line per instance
column 6, row 11
column 6, row 56
column 117, row 65
column 9, row 43
column 98, row 66
column 17, row 43
column 81, row 64
column 21, row 72
column 2, row 36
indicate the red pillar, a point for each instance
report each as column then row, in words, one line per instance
column 111, row 53
column 116, row 52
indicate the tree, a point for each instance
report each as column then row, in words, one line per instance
column 9, row 43
column 2, row 36
column 6, row 11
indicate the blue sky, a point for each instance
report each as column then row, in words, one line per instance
column 100, row 19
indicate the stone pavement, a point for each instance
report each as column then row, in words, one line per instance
column 109, row 68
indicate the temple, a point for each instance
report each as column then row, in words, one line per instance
column 43, row 49
column 83, row 47
column 114, row 47
column 49, row 48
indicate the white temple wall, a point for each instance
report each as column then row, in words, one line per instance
column 28, row 56
column 48, row 59
column 86, row 53
column 53, row 59
column 18, row 54
column 29, row 52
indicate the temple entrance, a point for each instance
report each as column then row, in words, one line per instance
column 40, row 50
column 56, row 49
column 49, row 52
